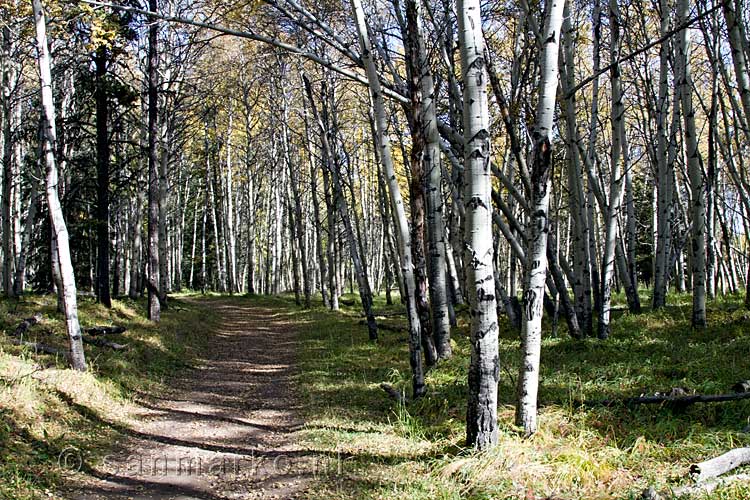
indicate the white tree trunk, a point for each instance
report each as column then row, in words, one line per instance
column 433, row 175
column 384, row 146
column 695, row 170
column 581, row 251
column 166, row 133
column 481, row 414
column 536, row 267
column 59, row 230
column 136, row 266
column 229, row 216
column 19, row 283
column 437, row 264
column 663, row 175
column 8, row 71
column 616, row 181
column 738, row 56
column 152, row 274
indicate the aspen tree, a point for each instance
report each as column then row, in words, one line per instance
column 481, row 413
column 67, row 285
column 536, row 266
column 152, row 278
column 695, row 171
column 382, row 142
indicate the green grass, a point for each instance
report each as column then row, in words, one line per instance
column 416, row 451
column 389, row 450
column 46, row 408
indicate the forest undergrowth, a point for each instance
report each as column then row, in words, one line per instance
column 414, row 450
column 51, row 416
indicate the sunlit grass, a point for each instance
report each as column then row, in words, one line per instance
column 389, row 450
column 37, row 421
column 417, row 450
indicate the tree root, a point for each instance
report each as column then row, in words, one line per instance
column 393, row 393
column 105, row 330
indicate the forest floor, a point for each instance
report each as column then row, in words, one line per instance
column 223, row 430
column 237, row 397
column 203, row 406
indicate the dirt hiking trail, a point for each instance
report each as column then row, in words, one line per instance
column 226, row 430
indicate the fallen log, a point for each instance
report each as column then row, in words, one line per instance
column 385, row 314
column 24, row 326
column 677, row 402
column 104, row 343
column 43, row 348
column 105, row 330
column 388, row 328
column 708, row 487
column 702, row 489
column 720, row 465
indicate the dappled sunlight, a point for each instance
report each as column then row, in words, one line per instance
column 578, row 452
column 224, row 423
column 272, row 384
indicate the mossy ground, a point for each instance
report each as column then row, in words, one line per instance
column 387, row 450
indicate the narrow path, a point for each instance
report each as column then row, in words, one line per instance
column 225, row 430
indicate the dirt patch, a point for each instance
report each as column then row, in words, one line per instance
column 226, row 430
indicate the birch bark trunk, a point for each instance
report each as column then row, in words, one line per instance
column 711, row 181
column 397, row 205
column 432, row 186
column 191, row 274
column 616, row 182
column 218, row 241
column 630, row 221
column 739, row 57
column 365, row 293
column 229, row 217
column 162, row 187
column 415, row 118
column 102, row 178
column 179, row 249
column 57, row 222
column 316, row 216
column 204, row 277
column 333, row 278
column 7, row 139
column 481, row 414
column 152, row 278
column 536, row 267
column 581, row 250
column 296, row 216
column 385, row 220
column 293, row 249
column 663, row 178
column 695, row 170
column 590, row 159
column 19, row 283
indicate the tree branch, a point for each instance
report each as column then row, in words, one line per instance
column 643, row 49
column 256, row 37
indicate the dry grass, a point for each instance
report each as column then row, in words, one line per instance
column 42, row 402
column 387, row 450
column 579, row 453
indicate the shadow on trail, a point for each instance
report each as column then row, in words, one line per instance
column 234, row 416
